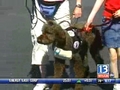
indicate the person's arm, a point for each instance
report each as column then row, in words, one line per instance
column 78, row 9
column 116, row 14
column 95, row 9
column 78, row 2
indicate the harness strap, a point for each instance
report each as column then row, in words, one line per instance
column 108, row 20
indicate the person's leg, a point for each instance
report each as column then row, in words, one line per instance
column 39, row 52
column 113, row 61
column 113, row 65
column 38, row 56
column 118, row 54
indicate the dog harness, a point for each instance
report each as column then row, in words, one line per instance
column 67, row 54
column 77, row 40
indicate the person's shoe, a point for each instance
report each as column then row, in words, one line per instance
column 46, row 88
column 116, row 87
column 40, row 87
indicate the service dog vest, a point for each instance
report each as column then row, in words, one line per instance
column 77, row 40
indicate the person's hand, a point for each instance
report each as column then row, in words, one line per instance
column 77, row 13
column 117, row 14
column 88, row 26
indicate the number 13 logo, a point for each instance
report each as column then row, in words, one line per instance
column 104, row 69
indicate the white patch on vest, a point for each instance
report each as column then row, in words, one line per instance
column 62, row 54
column 71, row 33
column 76, row 44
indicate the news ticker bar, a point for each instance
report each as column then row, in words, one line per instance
column 48, row 80
column 59, row 81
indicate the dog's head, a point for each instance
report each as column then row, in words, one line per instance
column 51, row 32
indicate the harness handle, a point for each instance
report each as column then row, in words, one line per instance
column 65, row 21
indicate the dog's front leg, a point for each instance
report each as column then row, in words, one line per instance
column 59, row 66
column 79, row 71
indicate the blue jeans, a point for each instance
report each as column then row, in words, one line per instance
column 111, row 33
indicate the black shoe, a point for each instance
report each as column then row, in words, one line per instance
column 34, row 72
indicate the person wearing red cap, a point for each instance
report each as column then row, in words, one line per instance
column 110, row 31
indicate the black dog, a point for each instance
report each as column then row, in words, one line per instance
column 53, row 33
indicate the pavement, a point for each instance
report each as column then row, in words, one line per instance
column 16, row 46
